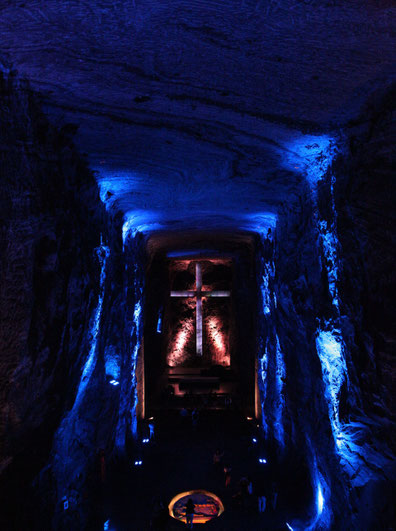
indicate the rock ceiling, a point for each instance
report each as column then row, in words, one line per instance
column 188, row 110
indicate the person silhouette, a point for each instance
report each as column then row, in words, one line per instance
column 190, row 511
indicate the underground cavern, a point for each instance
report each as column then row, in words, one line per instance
column 197, row 265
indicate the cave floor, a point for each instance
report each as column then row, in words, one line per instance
column 181, row 459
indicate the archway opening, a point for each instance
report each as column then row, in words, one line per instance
column 200, row 328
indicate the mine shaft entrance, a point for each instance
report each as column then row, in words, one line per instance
column 199, row 342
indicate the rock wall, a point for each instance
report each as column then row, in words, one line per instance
column 295, row 418
column 71, row 303
column 71, row 314
column 101, row 423
column 365, row 194
column 326, row 341
column 51, row 223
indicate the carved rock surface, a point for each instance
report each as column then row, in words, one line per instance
column 51, row 222
column 187, row 109
column 193, row 115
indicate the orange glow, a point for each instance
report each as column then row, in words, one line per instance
column 207, row 506
column 177, row 352
column 216, row 334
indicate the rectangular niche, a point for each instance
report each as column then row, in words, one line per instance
column 199, row 313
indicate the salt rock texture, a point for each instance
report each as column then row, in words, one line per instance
column 51, row 222
column 362, row 478
column 186, row 109
column 190, row 113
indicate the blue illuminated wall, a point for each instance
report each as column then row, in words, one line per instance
column 74, row 438
column 271, row 363
column 133, row 295
column 107, row 387
column 350, row 457
column 294, row 338
column 103, row 253
column 315, row 156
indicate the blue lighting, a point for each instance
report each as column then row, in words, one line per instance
column 289, row 527
column 329, row 244
column 254, row 440
column 259, row 222
column 127, row 420
column 280, row 399
column 142, row 221
column 320, row 500
column 112, row 359
column 269, row 271
column 193, row 253
column 106, row 525
column 138, row 463
column 114, row 382
column 103, row 253
column 145, row 441
column 129, row 393
column 112, row 182
column 322, row 516
column 173, row 206
column 263, row 366
column 312, row 155
column 317, row 157
column 68, row 466
column 262, row 460
column 137, row 329
column 159, row 324
column 330, row 348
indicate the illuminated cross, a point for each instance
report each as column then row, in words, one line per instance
column 199, row 294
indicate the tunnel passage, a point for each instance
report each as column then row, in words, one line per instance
column 326, row 341
column 200, row 330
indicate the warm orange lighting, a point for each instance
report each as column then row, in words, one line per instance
column 177, row 353
column 207, row 506
column 214, row 327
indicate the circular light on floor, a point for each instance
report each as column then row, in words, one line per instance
column 207, row 506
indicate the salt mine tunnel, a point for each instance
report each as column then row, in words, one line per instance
column 197, row 275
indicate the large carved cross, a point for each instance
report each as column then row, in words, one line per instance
column 199, row 294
